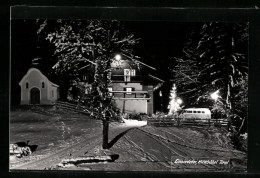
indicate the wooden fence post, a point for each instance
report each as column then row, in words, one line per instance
column 178, row 121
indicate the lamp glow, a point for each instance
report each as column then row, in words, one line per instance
column 118, row 57
column 179, row 101
column 215, row 95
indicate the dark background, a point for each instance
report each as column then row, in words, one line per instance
column 189, row 14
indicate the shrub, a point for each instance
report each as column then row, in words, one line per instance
column 161, row 115
column 138, row 116
column 239, row 142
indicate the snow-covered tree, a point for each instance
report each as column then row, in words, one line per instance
column 214, row 58
column 174, row 104
column 92, row 43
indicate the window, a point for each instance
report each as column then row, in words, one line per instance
column 199, row 111
column 128, row 73
column 203, row 111
column 127, row 78
column 132, row 71
column 52, row 93
column 27, row 85
column 84, row 77
column 129, row 89
column 43, row 85
column 194, row 111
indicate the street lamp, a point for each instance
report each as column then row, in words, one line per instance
column 215, row 95
column 179, row 101
column 118, row 57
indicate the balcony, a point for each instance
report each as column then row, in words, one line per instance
column 133, row 95
column 123, row 78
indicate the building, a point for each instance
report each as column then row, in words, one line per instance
column 37, row 89
column 133, row 85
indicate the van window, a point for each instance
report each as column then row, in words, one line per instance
column 199, row 111
column 194, row 111
column 203, row 111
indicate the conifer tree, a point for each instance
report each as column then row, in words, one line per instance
column 215, row 59
column 174, row 104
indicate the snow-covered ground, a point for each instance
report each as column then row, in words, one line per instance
column 132, row 123
column 139, row 147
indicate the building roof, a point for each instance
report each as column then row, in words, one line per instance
column 156, row 78
column 37, row 70
column 139, row 62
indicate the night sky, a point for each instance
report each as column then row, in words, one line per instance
column 160, row 41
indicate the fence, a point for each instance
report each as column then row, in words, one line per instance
column 70, row 106
column 187, row 122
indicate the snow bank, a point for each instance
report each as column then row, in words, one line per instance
column 135, row 123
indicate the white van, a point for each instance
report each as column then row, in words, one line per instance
column 195, row 113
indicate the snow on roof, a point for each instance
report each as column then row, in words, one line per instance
column 35, row 69
column 53, row 84
column 155, row 78
column 139, row 62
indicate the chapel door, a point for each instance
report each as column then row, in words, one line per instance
column 35, row 96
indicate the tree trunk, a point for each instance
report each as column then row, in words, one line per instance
column 105, row 134
column 105, row 121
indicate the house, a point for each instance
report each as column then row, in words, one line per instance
column 133, row 85
column 36, row 88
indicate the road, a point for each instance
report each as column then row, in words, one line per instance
column 146, row 148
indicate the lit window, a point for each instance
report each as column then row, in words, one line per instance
column 27, row 85
column 43, row 85
column 127, row 75
column 128, row 89
column 84, row 77
column 127, row 78
column 132, row 71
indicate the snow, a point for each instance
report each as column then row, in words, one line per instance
column 134, row 123
column 138, row 148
